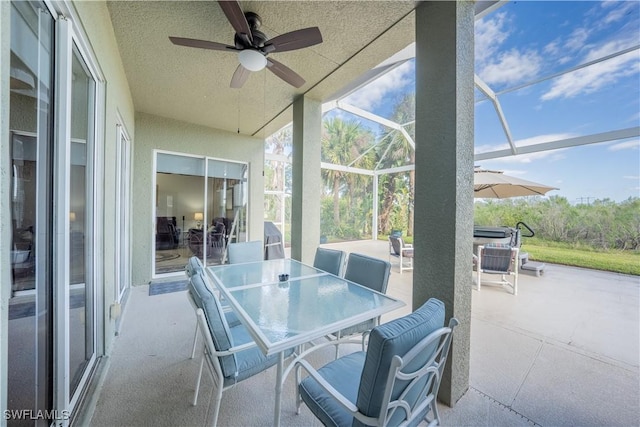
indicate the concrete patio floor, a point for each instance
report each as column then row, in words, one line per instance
column 564, row 351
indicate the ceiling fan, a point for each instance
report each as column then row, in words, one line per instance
column 253, row 46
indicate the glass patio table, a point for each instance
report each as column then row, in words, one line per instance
column 281, row 315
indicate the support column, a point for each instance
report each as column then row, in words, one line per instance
column 444, row 173
column 307, row 182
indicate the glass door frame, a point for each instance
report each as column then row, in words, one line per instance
column 69, row 34
column 205, row 201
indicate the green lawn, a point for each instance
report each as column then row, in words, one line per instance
column 627, row 262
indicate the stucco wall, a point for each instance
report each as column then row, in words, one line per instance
column 159, row 133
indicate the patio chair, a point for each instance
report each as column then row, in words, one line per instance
column 229, row 351
column 196, row 297
column 394, row 382
column 245, row 252
column 401, row 250
column 501, row 259
column 372, row 273
column 329, row 260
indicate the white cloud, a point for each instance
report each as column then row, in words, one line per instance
column 577, row 39
column 552, row 48
column 511, row 67
column 372, row 94
column 591, row 79
column 507, row 67
column 489, row 35
column 619, row 11
column 634, row 144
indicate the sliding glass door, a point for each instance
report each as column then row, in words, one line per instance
column 179, row 210
column 30, row 328
column 52, row 301
column 201, row 205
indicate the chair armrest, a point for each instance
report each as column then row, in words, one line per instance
column 204, row 326
column 343, row 401
column 407, row 251
column 339, row 397
column 235, row 349
column 408, row 246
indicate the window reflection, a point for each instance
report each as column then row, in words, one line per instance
column 188, row 224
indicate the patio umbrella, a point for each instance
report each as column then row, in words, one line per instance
column 496, row 184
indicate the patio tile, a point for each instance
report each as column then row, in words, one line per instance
column 500, row 359
column 478, row 409
column 565, row 388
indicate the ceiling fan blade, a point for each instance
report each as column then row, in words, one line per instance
column 240, row 76
column 202, row 44
column 294, row 40
column 285, row 73
column 236, row 18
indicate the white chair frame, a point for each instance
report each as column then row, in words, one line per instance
column 434, row 367
column 195, row 307
column 406, row 248
column 512, row 271
column 210, row 356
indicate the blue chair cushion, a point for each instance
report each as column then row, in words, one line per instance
column 343, row 374
column 193, row 267
column 395, row 338
column 329, row 260
column 251, row 361
column 226, row 332
column 231, row 316
column 198, row 293
column 218, row 327
column 372, row 273
column 367, row 271
column 232, row 320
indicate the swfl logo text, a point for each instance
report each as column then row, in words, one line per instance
column 30, row 414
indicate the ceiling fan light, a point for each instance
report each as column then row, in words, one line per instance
column 252, row 60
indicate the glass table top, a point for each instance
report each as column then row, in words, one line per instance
column 311, row 304
column 252, row 273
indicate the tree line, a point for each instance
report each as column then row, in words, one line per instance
column 601, row 224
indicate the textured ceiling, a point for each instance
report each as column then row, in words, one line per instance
column 192, row 85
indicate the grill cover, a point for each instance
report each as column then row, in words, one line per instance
column 273, row 246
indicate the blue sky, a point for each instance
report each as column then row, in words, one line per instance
column 525, row 41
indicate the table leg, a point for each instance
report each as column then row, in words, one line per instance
column 276, row 413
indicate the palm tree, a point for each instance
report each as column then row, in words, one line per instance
column 340, row 139
column 277, row 144
column 398, row 152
